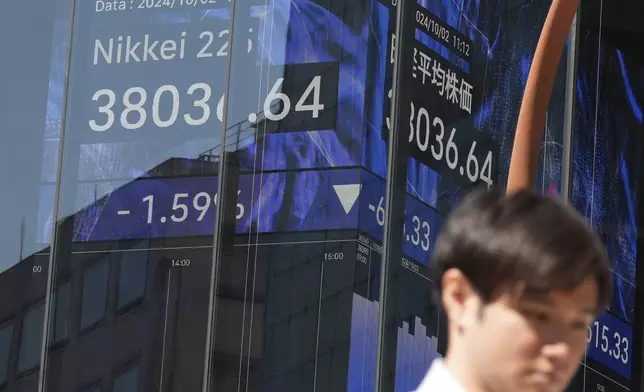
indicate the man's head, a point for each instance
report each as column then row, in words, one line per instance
column 522, row 277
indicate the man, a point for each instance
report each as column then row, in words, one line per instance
column 521, row 278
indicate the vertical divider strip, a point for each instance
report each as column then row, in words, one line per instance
column 224, row 194
column 395, row 191
column 569, row 110
column 51, row 269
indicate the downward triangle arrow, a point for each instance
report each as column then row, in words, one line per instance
column 347, row 194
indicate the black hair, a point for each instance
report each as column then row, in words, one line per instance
column 498, row 241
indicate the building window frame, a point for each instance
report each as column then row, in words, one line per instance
column 127, row 306
column 32, row 307
column 103, row 261
column 55, row 344
column 132, row 364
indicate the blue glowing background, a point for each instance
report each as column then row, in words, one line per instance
column 507, row 34
column 282, row 36
column 357, row 38
column 608, row 126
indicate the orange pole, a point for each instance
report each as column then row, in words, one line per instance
column 532, row 115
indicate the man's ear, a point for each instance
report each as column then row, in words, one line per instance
column 460, row 300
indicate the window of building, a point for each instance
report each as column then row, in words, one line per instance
column 132, row 277
column 62, row 307
column 127, row 380
column 94, row 300
column 96, row 387
column 31, row 338
column 6, row 335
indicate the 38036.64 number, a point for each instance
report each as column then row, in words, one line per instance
column 276, row 107
column 423, row 129
column 134, row 99
column 445, row 153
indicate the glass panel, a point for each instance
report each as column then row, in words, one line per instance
column 30, row 115
column 138, row 190
column 549, row 176
column 31, row 338
column 33, row 43
column 93, row 388
column 448, row 143
column 271, row 147
column 94, row 296
column 287, row 266
column 127, row 381
column 132, row 277
column 607, row 176
column 6, row 337
column 287, row 113
column 459, row 99
column 61, row 312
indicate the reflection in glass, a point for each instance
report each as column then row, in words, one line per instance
column 127, row 381
column 296, row 285
column 29, row 39
column 93, row 388
column 61, row 312
column 31, row 338
column 6, row 335
column 94, row 301
column 132, row 276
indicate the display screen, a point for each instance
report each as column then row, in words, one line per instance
column 148, row 95
column 606, row 169
column 609, row 342
column 609, row 352
column 161, row 84
column 441, row 102
column 307, row 117
column 611, row 206
column 448, row 60
column 420, row 337
column 185, row 206
column 442, row 91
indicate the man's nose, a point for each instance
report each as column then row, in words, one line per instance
column 556, row 345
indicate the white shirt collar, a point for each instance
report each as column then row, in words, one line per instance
column 438, row 378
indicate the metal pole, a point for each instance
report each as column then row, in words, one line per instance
column 394, row 203
column 569, row 110
column 51, row 273
column 223, row 193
